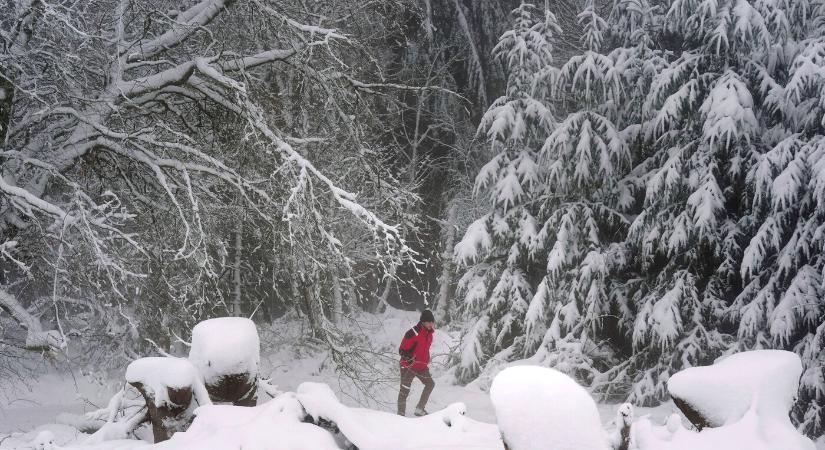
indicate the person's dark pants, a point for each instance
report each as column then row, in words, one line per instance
column 407, row 376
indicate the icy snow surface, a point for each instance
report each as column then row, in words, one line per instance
column 543, row 409
column 226, row 345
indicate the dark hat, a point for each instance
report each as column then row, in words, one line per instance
column 426, row 316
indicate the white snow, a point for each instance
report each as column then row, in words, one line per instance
column 543, row 409
column 223, row 346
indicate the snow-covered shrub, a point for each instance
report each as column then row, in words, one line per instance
column 538, row 408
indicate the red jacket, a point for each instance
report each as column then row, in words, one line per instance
column 415, row 348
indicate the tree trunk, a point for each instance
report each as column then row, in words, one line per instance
column 241, row 389
column 170, row 417
column 337, row 299
column 442, row 307
column 314, row 310
column 237, row 293
column 385, row 294
column 6, row 101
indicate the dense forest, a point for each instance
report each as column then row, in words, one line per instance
column 616, row 189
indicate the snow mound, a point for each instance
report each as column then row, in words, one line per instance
column 543, row 409
column 766, row 380
column 224, row 346
column 156, row 374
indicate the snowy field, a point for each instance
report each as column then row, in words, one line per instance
column 56, row 400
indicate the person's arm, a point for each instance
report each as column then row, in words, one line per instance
column 407, row 346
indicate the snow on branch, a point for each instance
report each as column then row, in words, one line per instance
column 182, row 27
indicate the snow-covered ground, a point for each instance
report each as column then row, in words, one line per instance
column 289, row 360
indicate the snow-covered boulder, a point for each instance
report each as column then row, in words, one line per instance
column 763, row 380
column 745, row 397
column 227, row 353
column 543, row 409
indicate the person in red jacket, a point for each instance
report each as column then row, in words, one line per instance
column 415, row 357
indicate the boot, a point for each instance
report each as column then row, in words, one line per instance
column 420, row 412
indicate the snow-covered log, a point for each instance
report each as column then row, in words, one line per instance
column 313, row 419
column 227, row 352
column 372, row 430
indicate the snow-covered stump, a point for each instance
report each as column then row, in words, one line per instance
column 168, row 386
column 226, row 352
column 620, row 439
column 543, row 409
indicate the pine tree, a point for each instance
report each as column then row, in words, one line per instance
column 544, row 253
column 676, row 216
column 726, row 234
column 497, row 288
